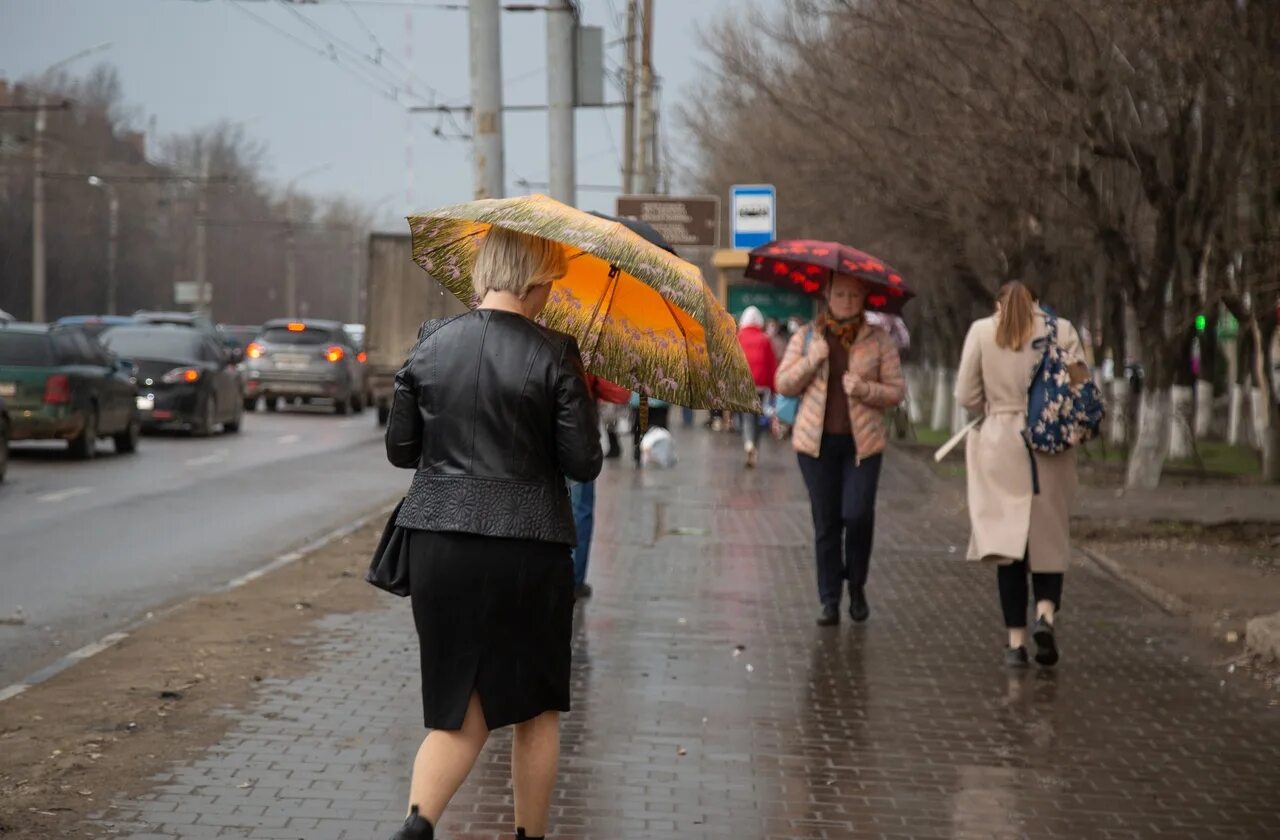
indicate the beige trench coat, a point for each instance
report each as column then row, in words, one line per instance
column 1007, row 517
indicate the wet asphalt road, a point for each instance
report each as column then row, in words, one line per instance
column 87, row 548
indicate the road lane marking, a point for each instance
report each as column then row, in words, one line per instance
column 63, row 495
column 212, row 458
column 288, row 439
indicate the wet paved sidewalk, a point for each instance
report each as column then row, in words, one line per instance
column 707, row 704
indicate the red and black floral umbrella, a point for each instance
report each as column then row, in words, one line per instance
column 806, row 265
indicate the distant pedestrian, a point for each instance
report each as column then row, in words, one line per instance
column 848, row 374
column 778, row 337
column 758, row 349
column 583, row 493
column 659, row 417
column 493, row 412
column 1019, row 500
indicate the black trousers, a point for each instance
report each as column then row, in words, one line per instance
column 1012, row 580
column 842, row 497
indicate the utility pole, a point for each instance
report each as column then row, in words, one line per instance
column 290, row 261
column 648, row 172
column 357, row 273
column 562, row 25
column 486, row 98
column 37, row 219
column 113, row 239
column 629, row 114
column 203, row 298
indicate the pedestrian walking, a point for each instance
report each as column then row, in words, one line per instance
column 1019, row 499
column 493, row 412
column 847, row 374
column 583, row 493
column 758, row 349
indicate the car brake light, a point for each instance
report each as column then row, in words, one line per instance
column 254, row 350
column 297, row 327
column 334, row 353
column 57, row 389
column 181, row 375
column 362, row 357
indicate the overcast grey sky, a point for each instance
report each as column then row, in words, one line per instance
column 192, row 62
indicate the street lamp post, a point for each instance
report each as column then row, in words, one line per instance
column 113, row 240
column 290, row 245
column 38, row 276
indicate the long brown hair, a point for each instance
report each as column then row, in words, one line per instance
column 1017, row 316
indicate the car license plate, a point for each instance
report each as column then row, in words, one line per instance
column 291, row 362
column 146, row 403
column 8, row 389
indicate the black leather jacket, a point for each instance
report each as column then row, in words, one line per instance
column 493, row 412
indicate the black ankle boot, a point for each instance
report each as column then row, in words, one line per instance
column 415, row 828
column 520, row 835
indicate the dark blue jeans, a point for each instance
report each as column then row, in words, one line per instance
column 842, row 496
column 583, row 497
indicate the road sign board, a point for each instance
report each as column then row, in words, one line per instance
column 187, row 293
column 755, row 215
column 686, row 221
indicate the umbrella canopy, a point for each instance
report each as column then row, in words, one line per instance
column 641, row 228
column 643, row 318
column 806, row 265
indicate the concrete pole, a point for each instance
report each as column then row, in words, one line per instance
column 562, row 24
column 648, row 173
column 37, row 219
column 486, row 98
column 203, row 298
column 629, row 114
column 290, row 262
column 357, row 275
column 113, row 243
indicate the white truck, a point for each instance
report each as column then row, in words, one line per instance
column 401, row 296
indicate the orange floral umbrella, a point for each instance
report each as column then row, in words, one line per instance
column 643, row 318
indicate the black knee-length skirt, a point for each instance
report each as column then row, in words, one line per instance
column 494, row 616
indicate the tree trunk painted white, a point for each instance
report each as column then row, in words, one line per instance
column 959, row 416
column 942, row 398
column 917, row 380
column 1118, row 413
column 1261, row 418
column 1180, row 400
column 1235, row 414
column 1204, row 409
column 1150, row 445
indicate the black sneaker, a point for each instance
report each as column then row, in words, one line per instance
column 830, row 615
column 859, row 610
column 1015, row 657
column 1046, row 644
column 415, row 828
column 582, row 590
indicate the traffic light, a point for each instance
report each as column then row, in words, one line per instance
column 1201, row 323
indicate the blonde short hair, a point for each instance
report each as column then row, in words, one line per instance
column 516, row 262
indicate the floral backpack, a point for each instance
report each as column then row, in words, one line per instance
column 1060, row 414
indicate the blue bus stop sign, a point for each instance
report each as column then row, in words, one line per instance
column 755, row 215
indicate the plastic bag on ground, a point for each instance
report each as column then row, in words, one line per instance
column 657, row 449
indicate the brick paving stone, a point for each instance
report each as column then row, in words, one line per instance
column 906, row 727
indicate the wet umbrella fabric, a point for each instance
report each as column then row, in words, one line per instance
column 806, row 265
column 643, row 318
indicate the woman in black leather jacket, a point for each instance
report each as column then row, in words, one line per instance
column 493, row 413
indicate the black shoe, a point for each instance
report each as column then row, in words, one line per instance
column 520, row 835
column 1046, row 644
column 582, row 590
column 1015, row 657
column 859, row 610
column 415, row 828
column 830, row 615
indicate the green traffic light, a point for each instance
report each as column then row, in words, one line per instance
column 1201, row 323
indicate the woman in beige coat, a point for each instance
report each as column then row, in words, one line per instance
column 1017, row 524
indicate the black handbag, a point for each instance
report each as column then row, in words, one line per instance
column 389, row 569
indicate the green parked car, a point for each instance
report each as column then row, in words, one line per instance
column 60, row 384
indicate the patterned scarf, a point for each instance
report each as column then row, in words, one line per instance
column 846, row 330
